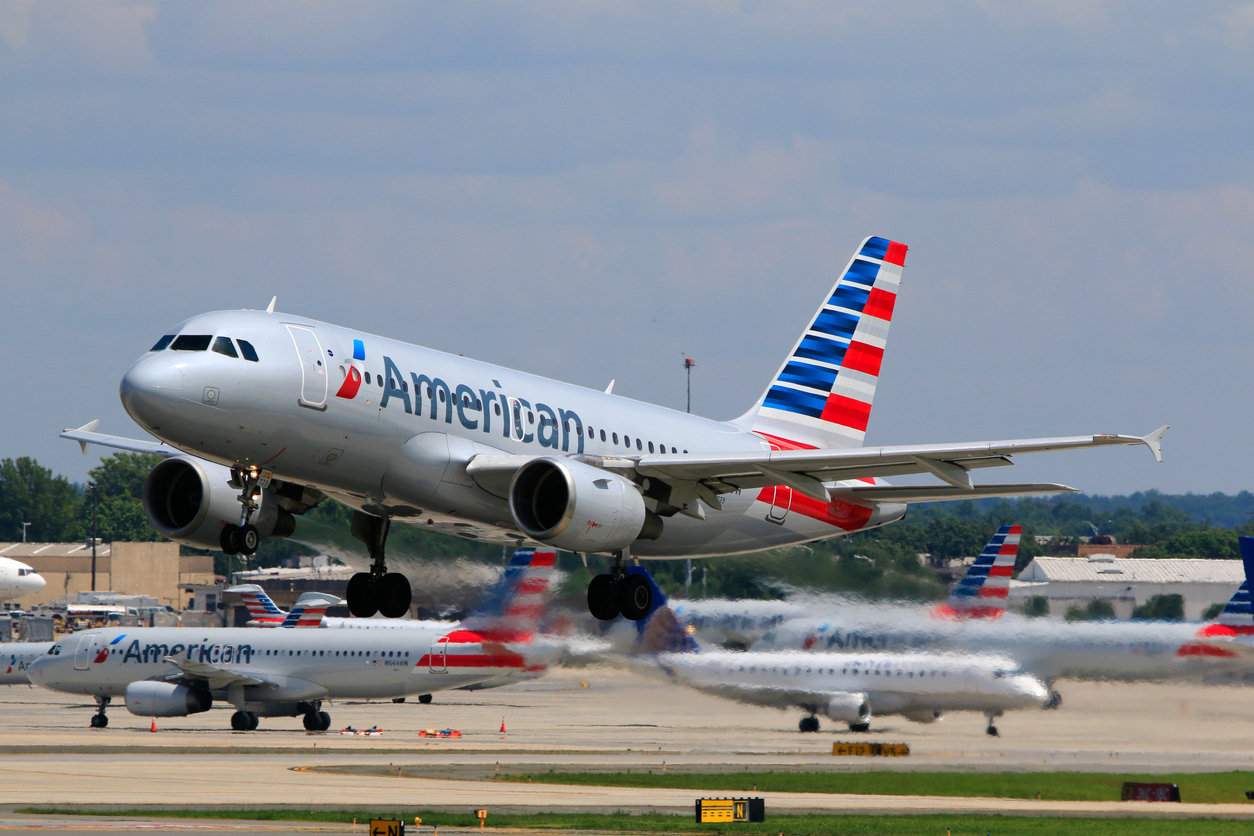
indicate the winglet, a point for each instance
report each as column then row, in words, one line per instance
column 270, row 307
column 609, row 390
column 90, row 426
column 1154, row 441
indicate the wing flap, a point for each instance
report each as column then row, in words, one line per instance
column 943, row 493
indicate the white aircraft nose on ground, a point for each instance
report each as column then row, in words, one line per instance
column 18, row 579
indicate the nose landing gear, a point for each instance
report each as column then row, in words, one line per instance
column 243, row 538
column 100, row 720
column 376, row 591
column 620, row 593
column 992, row 731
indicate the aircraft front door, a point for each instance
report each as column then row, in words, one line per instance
column 780, row 498
column 86, row 651
column 313, row 367
column 439, row 655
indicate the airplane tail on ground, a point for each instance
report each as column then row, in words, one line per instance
column 262, row 611
column 821, row 396
column 309, row 609
column 1237, row 618
column 515, row 606
column 661, row 631
column 983, row 590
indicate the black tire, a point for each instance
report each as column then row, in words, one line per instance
column 635, row 597
column 425, row 699
column 324, row 721
column 95, row 721
column 104, row 721
column 602, row 600
column 249, row 539
column 859, row 727
column 253, row 722
column 992, row 731
column 394, row 595
column 398, row 699
column 313, row 722
column 360, row 595
column 229, row 539
column 809, row 724
column 239, row 721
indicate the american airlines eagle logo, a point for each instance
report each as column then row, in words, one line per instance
column 352, row 378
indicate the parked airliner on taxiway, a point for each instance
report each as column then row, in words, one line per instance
column 173, row 672
column 286, row 411
column 18, row 579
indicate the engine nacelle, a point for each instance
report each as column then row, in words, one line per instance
column 849, row 708
column 189, row 500
column 579, row 508
column 165, row 699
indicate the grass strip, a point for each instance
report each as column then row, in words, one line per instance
column 1199, row 788
column 815, row 825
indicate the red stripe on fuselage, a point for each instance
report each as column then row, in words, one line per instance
column 843, row 515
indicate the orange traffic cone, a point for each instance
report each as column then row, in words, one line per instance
column 154, row 724
column 502, row 725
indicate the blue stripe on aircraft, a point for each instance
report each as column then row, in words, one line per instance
column 875, row 248
column 863, row 272
column 835, row 323
column 850, row 296
column 359, row 350
column 816, row 377
column 793, row 400
column 813, row 347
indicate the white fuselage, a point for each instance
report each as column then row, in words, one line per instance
column 907, row 683
column 1048, row 648
column 294, row 664
column 392, row 450
column 18, row 579
column 16, row 658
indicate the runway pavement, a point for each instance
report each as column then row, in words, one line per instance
column 598, row 719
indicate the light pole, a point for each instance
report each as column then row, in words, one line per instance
column 95, row 497
column 688, row 364
column 24, row 531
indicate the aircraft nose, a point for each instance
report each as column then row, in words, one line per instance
column 151, row 389
column 34, row 583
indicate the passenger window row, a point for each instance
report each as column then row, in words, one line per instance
column 201, row 342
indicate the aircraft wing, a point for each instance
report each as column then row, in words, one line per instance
column 767, row 697
column 85, row 435
column 216, row 678
column 810, row 471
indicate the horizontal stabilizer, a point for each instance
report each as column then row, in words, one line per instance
column 944, row 493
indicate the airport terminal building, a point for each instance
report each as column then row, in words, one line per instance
column 1127, row 583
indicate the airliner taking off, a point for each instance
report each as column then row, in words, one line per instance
column 263, row 415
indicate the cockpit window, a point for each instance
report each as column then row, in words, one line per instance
column 192, row 342
column 223, row 345
column 163, row 343
column 246, row 348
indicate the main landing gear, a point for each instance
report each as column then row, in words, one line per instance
column 99, row 720
column 317, row 721
column 243, row 538
column 992, row 731
column 376, row 591
column 620, row 593
column 809, row 724
column 244, row 721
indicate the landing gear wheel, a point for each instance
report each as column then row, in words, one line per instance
column 99, row 721
column 859, row 727
column 229, row 539
column 393, row 594
column 239, row 721
column 249, row 539
column 1054, row 701
column 253, row 722
column 324, row 721
column 313, row 721
column 635, row 597
column 992, row 731
column 809, row 724
column 360, row 593
column 425, row 699
column 602, row 598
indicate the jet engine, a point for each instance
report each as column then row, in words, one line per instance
column 165, row 699
column 189, row 500
column 579, row 508
column 849, row 708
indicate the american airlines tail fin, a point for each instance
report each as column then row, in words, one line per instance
column 513, row 609
column 309, row 610
column 1237, row 618
column 821, row 396
column 983, row 590
column 262, row 612
column 661, row 631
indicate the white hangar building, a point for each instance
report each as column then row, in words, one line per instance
column 1127, row 582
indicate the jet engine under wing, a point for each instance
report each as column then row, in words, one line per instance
column 84, row 435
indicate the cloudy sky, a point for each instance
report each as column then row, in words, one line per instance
column 593, row 190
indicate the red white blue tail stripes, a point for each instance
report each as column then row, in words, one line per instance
column 513, row 609
column 987, row 580
column 1238, row 613
column 822, row 395
column 262, row 612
